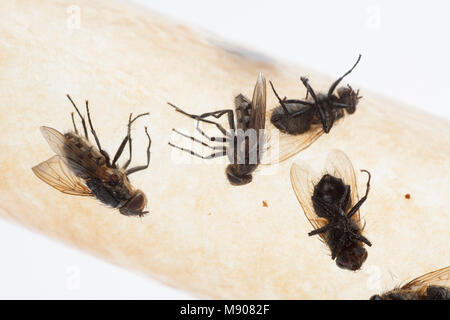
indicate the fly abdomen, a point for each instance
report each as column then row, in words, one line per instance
column 293, row 125
column 101, row 193
column 85, row 149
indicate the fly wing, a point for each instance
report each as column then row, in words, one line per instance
column 55, row 140
column 70, row 153
column 439, row 277
column 258, row 117
column 302, row 181
column 55, row 173
column 340, row 166
column 282, row 146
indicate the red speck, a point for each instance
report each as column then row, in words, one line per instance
column 407, row 196
column 265, row 204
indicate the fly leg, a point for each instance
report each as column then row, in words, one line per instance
column 363, row 239
column 218, row 114
column 340, row 105
column 73, row 122
column 320, row 109
column 215, row 114
column 124, row 142
column 279, row 99
column 327, row 212
column 221, row 153
column 309, row 89
column 323, row 229
column 283, row 103
column 139, row 168
column 97, row 141
column 335, row 84
column 201, row 142
column 202, row 118
column 362, row 200
column 83, row 122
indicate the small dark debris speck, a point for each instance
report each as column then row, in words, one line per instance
column 407, row 196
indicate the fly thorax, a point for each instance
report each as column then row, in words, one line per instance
column 243, row 109
column 118, row 185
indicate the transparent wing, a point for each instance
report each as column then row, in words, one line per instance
column 284, row 146
column 55, row 140
column 258, row 118
column 340, row 166
column 55, row 173
column 439, row 277
column 302, row 181
column 258, row 115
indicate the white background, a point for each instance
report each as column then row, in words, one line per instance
column 405, row 48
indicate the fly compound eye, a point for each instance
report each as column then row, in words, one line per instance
column 137, row 203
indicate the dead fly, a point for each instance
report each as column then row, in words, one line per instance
column 306, row 120
column 431, row 286
column 244, row 142
column 79, row 168
column 331, row 204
